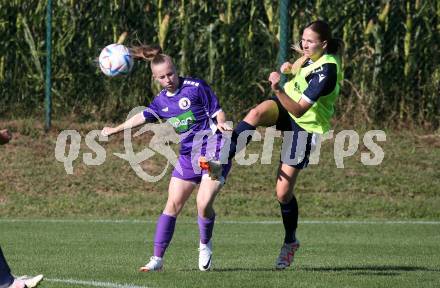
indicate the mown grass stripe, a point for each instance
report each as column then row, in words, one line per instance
column 267, row 222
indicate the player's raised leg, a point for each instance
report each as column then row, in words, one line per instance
column 264, row 114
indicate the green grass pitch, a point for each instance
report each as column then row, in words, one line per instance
column 94, row 253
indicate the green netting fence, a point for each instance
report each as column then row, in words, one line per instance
column 391, row 63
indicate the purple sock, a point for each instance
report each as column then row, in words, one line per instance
column 206, row 225
column 164, row 232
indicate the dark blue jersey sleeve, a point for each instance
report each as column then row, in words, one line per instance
column 322, row 81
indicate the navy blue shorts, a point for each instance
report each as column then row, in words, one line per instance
column 297, row 142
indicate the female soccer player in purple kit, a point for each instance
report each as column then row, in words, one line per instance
column 192, row 108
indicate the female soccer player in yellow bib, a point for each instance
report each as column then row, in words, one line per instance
column 301, row 109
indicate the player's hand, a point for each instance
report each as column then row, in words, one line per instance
column 274, row 79
column 107, row 131
column 286, row 68
column 223, row 127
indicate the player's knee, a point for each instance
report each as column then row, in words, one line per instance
column 254, row 115
column 203, row 208
column 284, row 195
column 173, row 208
column 201, row 205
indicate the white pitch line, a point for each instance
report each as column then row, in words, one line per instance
column 92, row 283
column 339, row 222
column 111, row 221
column 267, row 222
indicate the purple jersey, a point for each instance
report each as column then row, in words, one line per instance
column 191, row 110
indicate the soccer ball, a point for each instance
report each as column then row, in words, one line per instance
column 5, row 136
column 115, row 59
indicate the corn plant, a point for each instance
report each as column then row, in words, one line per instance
column 391, row 58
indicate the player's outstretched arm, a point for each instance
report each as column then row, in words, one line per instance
column 133, row 122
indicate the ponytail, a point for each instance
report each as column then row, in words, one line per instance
column 145, row 52
column 150, row 53
column 335, row 46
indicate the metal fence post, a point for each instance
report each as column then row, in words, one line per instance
column 48, row 83
column 284, row 35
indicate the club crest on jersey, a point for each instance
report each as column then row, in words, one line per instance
column 184, row 103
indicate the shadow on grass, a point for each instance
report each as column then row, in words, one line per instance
column 239, row 269
column 385, row 270
column 378, row 270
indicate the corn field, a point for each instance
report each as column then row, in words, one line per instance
column 391, row 61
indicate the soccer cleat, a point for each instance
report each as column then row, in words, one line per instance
column 214, row 167
column 205, row 256
column 31, row 282
column 155, row 264
column 287, row 254
column 17, row 284
column 26, row 281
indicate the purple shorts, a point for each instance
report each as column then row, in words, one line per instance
column 189, row 170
